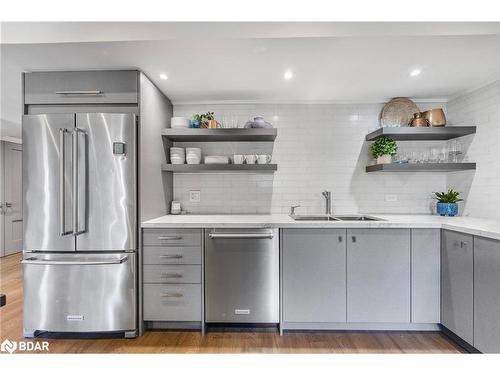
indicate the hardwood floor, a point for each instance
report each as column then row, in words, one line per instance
column 216, row 342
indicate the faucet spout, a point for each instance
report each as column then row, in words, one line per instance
column 328, row 202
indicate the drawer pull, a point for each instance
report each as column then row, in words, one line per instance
column 171, row 275
column 171, row 295
column 166, row 238
column 173, row 256
column 79, row 92
column 353, row 238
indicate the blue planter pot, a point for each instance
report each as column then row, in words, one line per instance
column 447, row 209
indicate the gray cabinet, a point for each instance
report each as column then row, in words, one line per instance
column 314, row 275
column 378, row 275
column 487, row 295
column 425, row 275
column 79, row 87
column 457, row 268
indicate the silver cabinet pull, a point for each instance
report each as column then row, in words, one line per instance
column 62, row 185
column 79, row 92
column 164, row 238
column 267, row 235
column 353, row 238
column 171, row 295
column 171, row 275
column 8, row 205
column 340, row 238
column 173, row 256
column 73, row 263
column 463, row 244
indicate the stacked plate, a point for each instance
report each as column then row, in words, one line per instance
column 180, row 122
column 193, row 155
column 177, row 155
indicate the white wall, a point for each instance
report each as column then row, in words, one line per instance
column 480, row 188
column 319, row 146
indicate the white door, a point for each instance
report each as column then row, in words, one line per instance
column 12, row 203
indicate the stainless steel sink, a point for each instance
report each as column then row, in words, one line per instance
column 357, row 218
column 313, row 218
column 334, row 218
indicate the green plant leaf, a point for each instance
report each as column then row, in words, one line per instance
column 383, row 146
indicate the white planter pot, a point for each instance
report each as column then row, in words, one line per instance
column 384, row 159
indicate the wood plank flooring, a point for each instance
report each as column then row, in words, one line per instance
column 216, row 342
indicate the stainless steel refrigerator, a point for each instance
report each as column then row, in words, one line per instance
column 80, row 223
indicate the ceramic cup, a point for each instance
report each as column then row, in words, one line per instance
column 238, row 159
column 263, row 159
column 250, row 159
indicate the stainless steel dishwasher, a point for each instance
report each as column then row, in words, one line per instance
column 241, row 276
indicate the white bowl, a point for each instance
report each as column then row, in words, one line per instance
column 180, row 122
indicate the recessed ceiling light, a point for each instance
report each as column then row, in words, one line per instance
column 163, row 76
column 288, row 75
column 415, row 72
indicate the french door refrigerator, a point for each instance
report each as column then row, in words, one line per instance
column 80, row 223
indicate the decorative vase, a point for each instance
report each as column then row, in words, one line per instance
column 447, row 209
column 384, row 159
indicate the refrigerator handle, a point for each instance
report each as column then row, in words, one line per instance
column 76, row 190
column 62, row 190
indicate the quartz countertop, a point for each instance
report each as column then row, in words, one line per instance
column 475, row 226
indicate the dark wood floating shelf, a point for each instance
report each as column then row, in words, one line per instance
column 187, row 168
column 421, row 167
column 221, row 135
column 430, row 133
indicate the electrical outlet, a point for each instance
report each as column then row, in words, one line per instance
column 194, row 196
column 391, row 198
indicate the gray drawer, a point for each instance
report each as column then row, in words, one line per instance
column 172, row 255
column 172, row 237
column 181, row 302
column 119, row 86
column 178, row 274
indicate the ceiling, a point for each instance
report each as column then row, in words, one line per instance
column 331, row 62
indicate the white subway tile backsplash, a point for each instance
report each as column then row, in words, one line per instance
column 319, row 146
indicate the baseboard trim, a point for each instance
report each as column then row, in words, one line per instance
column 458, row 340
column 433, row 327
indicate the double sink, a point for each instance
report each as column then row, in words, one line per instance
column 334, row 218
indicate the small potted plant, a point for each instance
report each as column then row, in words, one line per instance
column 447, row 202
column 207, row 120
column 383, row 149
column 196, row 122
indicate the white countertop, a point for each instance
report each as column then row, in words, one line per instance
column 476, row 226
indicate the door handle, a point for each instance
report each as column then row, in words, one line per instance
column 73, row 263
column 267, row 235
column 80, row 92
column 62, row 185
column 76, row 187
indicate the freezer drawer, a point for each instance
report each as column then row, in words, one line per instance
column 79, row 292
column 180, row 302
column 242, row 276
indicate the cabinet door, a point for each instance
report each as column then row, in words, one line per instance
column 487, row 295
column 457, row 267
column 378, row 275
column 314, row 275
column 425, row 275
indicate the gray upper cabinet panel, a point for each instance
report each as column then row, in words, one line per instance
column 81, row 87
column 457, row 295
column 487, row 295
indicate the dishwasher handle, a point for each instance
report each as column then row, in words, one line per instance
column 266, row 235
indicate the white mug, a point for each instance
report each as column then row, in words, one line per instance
column 263, row 159
column 238, row 159
column 250, row 159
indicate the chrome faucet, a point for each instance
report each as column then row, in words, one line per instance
column 292, row 209
column 328, row 196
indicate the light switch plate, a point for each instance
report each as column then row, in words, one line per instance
column 194, row 196
column 391, row 198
